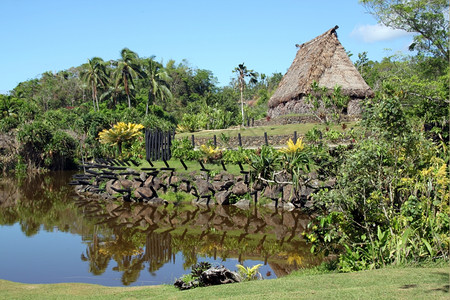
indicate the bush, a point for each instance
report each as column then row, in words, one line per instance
column 390, row 203
column 44, row 146
column 183, row 149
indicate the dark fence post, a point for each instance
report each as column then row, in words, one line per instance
column 239, row 139
column 295, row 136
column 266, row 139
column 193, row 141
column 215, row 141
column 157, row 144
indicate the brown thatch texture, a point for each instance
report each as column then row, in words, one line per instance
column 323, row 60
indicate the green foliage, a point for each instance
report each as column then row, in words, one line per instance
column 241, row 155
column 249, row 273
column 210, row 154
column 390, row 205
column 120, row 133
column 387, row 117
column 62, row 151
column 328, row 106
column 183, row 149
column 264, row 163
column 158, row 81
column 242, row 72
column 193, row 122
column 428, row 19
column 44, row 146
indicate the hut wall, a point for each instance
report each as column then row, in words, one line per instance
column 299, row 106
column 354, row 107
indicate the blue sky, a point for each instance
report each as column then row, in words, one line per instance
column 217, row 35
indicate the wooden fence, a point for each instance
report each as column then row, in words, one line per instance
column 158, row 143
column 252, row 141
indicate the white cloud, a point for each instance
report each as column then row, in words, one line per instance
column 376, row 33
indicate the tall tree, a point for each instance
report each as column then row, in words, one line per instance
column 127, row 69
column 95, row 76
column 158, row 81
column 242, row 73
column 428, row 18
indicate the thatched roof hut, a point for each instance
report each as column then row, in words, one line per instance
column 325, row 61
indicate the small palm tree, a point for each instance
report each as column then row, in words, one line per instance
column 158, row 80
column 249, row 273
column 127, row 69
column 120, row 133
column 242, row 72
column 95, row 76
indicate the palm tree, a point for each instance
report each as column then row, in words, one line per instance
column 242, row 72
column 158, row 80
column 127, row 68
column 95, row 76
column 112, row 92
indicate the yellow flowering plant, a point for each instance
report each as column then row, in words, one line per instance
column 210, row 153
column 293, row 148
column 120, row 133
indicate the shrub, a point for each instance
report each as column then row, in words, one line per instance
column 44, row 146
column 249, row 273
column 183, row 149
column 120, row 134
column 240, row 155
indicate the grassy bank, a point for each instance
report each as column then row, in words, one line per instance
column 301, row 128
column 388, row 283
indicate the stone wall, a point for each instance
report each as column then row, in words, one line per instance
column 222, row 189
column 299, row 106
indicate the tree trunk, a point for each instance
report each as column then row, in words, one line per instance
column 93, row 95
column 242, row 105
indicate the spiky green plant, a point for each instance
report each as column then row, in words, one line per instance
column 249, row 273
column 120, row 133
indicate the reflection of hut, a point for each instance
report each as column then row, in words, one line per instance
column 325, row 61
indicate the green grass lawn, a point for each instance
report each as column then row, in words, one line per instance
column 259, row 131
column 388, row 283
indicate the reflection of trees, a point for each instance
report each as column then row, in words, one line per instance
column 42, row 201
column 273, row 237
column 139, row 236
column 158, row 250
column 98, row 261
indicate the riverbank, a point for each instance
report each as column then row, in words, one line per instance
column 387, row 283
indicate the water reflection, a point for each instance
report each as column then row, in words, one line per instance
column 143, row 239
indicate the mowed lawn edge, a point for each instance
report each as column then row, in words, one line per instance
column 387, row 283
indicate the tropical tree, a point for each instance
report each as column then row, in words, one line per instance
column 95, row 76
column 428, row 19
column 158, row 81
column 127, row 69
column 242, row 72
column 112, row 93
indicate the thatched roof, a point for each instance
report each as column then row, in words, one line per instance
column 325, row 61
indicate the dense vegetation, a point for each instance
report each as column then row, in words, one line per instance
column 74, row 105
column 390, row 202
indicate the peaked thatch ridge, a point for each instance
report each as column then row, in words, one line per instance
column 324, row 60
